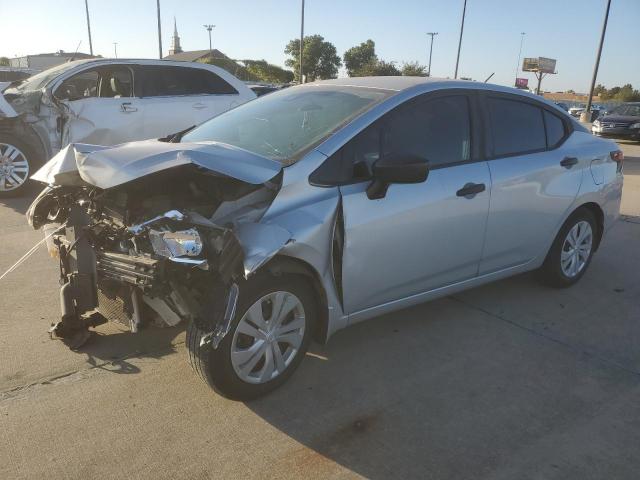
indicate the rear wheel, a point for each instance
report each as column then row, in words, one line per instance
column 17, row 162
column 572, row 250
column 267, row 340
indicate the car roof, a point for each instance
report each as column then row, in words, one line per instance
column 395, row 83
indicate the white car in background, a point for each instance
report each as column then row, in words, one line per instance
column 105, row 102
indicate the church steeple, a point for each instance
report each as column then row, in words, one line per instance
column 175, row 40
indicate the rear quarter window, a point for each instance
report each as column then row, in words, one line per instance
column 555, row 129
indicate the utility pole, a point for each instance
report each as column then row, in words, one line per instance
column 522, row 34
column 86, row 6
column 159, row 33
column 115, row 49
column 209, row 28
column 301, row 41
column 586, row 115
column 433, row 34
column 464, row 12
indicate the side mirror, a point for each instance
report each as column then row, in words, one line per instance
column 396, row 168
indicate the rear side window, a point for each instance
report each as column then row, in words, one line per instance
column 517, row 127
column 555, row 129
column 161, row 81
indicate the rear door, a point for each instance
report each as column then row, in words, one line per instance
column 535, row 178
column 176, row 97
column 101, row 108
column 419, row 236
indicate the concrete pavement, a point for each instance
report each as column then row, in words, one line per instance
column 510, row 380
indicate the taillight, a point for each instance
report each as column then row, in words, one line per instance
column 618, row 157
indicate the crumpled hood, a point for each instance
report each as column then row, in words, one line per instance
column 107, row 167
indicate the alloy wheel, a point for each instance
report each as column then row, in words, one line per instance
column 268, row 337
column 14, row 168
column 576, row 249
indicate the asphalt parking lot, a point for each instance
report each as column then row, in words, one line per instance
column 510, row 380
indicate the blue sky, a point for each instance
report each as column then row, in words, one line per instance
column 567, row 30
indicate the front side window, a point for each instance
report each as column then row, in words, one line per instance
column 285, row 124
column 106, row 82
column 170, row 81
column 82, row 85
column 437, row 130
column 517, row 127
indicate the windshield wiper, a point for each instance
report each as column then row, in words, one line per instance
column 176, row 137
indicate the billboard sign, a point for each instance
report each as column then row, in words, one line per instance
column 539, row 64
column 522, row 83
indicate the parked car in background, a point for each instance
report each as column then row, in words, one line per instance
column 106, row 102
column 319, row 206
column 563, row 106
column 622, row 122
column 577, row 111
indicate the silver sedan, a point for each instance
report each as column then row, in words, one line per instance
column 319, row 206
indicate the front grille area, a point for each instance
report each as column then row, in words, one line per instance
column 614, row 125
column 140, row 271
column 115, row 304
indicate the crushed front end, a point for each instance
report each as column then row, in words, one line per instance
column 156, row 250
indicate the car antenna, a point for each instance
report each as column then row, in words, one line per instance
column 75, row 53
column 489, row 77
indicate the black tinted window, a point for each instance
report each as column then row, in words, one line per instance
column 555, row 129
column 436, row 130
column 517, row 127
column 172, row 81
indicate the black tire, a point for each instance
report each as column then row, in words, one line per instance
column 214, row 365
column 30, row 153
column 551, row 272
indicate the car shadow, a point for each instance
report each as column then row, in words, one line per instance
column 111, row 351
column 21, row 203
column 441, row 387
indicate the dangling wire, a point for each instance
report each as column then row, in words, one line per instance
column 31, row 251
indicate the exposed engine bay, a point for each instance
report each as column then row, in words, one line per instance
column 162, row 248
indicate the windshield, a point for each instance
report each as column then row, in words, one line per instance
column 36, row 82
column 630, row 110
column 284, row 125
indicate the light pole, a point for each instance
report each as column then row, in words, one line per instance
column 433, row 34
column 159, row 33
column 301, row 41
column 86, row 6
column 209, row 28
column 585, row 116
column 522, row 34
column 464, row 12
column 115, row 49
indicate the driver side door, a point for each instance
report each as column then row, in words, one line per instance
column 421, row 236
column 101, row 108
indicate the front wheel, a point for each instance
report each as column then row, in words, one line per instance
column 268, row 338
column 572, row 250
column 17, row 163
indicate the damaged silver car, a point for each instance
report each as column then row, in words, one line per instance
column 315, row 207
column 105, row 102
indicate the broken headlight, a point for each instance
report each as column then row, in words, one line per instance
column 183, row 243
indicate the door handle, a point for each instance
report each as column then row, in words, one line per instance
column 199, row 106
column 568, row 162
column 126, row 107
column 470, row 190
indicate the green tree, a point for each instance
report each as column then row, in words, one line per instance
column 357, row 57
column 266, row 72
column 379, row 68
column 414, row 69
column 231, row 66
column 320, row 58
column 4, row 61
